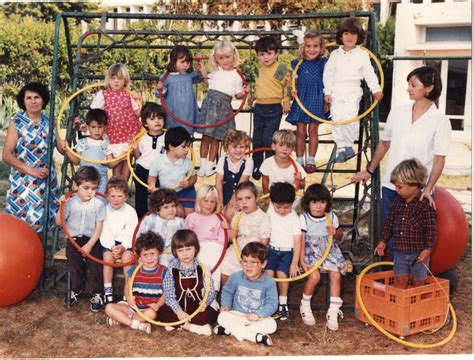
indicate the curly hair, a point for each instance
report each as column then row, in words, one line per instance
column 235, row 137
column 149, row 240
column 161, row 197
column 35, row 87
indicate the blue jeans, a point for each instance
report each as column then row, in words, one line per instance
column 405, row 264
column 388, row 195
column 266, row 120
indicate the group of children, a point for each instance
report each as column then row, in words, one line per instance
column 181, row 229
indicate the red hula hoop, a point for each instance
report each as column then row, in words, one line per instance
column 293, row 162
column 76, row 245
column 201, row 126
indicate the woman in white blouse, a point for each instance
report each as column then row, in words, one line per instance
column 415, row 130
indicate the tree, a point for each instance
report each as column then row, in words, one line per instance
column 46, row 11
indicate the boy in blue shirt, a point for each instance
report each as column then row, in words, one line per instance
column 249, row 299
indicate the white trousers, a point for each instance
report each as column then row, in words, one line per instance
column 345, row 106
column 237, row 324
column 209, row 254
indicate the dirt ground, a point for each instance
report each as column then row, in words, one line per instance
column 41, row 327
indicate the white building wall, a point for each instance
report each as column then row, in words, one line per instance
column 410, row 39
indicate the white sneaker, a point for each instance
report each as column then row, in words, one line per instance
column 331, row 317
column 145, row 327
column 307, row 314
column 211, row 168
column 202, row 168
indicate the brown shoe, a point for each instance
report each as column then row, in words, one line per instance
column 310, row 168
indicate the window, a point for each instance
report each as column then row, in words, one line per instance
column 454, row 33
column 456, row 92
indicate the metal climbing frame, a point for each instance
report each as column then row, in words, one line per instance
column 158, row 34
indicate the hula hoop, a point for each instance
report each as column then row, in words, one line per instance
column 339, row 122
column 179, row 322
column 201, row 126
column 385, row 332
column 140, row 181
column 226, row 237
column 293, row 162
column 62, row 206
column 59, row 134
column 295, row 278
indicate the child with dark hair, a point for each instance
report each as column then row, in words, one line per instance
column 84, row 217
column 249, row 299
column 95, row 146
column 272, row 98
column 185, row 286
column 147, row 150
column 347, row 66
column 178, row 87
column 316, row 202
column 173, row 167
column 285, row 240
column 413, row 240
column 117, row 234
column 162, row 219
column 147, row 288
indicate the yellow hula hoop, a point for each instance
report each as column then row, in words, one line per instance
column 58, row 127
column 339, row 122
column 179, row 322
column 132, row 170
column 385, row 332
column 301, row 276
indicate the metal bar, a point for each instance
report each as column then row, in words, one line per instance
column 427, row 57
column 215, row 17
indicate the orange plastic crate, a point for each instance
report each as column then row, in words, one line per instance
column 403, row 312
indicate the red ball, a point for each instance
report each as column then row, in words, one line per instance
column 21, row 260
column 453, row 232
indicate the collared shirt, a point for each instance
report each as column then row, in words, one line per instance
column 169, row 284
column 163, row 227
column 150, row 146
column 82, row 217
column 170, row 173
column 428, row 136
column 412, row 225
column 348, row 68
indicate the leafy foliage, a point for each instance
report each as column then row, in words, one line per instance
column 46, row 11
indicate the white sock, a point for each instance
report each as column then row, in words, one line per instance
column 135, row 324
column 282, row 299
column 306, row 299
column 201, row 329
column 335, row 301
column 108, row 289
column 203, row 163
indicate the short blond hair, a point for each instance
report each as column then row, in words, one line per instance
column 117, row 70
column 234, row 137
column 223, row 46
column 284, row 136
column 409, row 172
column 204, row 192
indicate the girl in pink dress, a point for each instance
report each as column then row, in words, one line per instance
column 123, row 113
column 209, row 228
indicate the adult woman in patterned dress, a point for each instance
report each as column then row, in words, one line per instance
column 26, row 151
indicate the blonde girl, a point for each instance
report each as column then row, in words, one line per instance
column 254, row 225
column 209, row 228
column 224, row 83
column 310, row 92
column 233, row 168
column 122, row 111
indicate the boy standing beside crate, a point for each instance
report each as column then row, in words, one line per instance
column 411, row 223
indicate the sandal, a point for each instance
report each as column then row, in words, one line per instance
column 310, row 168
